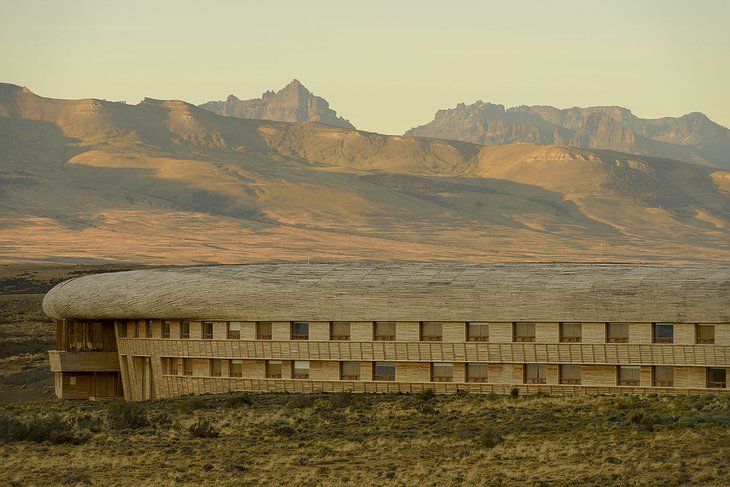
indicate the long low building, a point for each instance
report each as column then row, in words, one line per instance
column 555, row 328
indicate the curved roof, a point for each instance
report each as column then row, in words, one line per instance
column 402, row 292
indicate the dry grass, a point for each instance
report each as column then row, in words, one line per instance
column 346, row 439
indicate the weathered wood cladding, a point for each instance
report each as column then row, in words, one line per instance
column 401, row 292
column 569, row 353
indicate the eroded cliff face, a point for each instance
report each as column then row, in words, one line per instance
column 293, row 103
column 692, row 137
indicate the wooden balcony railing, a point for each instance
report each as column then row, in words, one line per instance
column 442, row 378
column 534, row 380
column 476, row 379
column 705, row 341
column 300, row 336
column 431, row 338
column 273, row 376
column 263, row 337
column 628, row 382
column 478, row 338
column 389, row 378
column 663, row 339
column 524, row 338
column 236, row 374
column 215, row 374
column 301, row 375
column 340, row 337
column 713, row 384
column 234, row 335
column 350, row 377
column 663, row 383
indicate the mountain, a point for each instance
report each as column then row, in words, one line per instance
column 165, row 181
column 293, row 103
column 691, row 138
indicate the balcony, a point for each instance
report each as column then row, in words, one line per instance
column 535, row 380
column 524, row 338
column 431, row 338
column 350, row 377
column 663, row 383
column 570, row 381
column 303, row 375
column 618, row 340
column 340, row 337
column 476, row 379
column 629, row 382
column 663, row 339
column 300, row 336
column 711, row 384
column 387, row 378
column 263, row 337
column 571, row 339
column 442, row 378
column 384, row 338
column 83, row 361
column 705, row 341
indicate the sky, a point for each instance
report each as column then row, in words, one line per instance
column 387, row 66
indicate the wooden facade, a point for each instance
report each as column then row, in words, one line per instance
column 684, row 350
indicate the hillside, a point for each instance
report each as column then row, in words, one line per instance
column 168, row 182
column 293, row 103
column 692, row 137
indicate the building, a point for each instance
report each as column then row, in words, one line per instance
column 557, row 328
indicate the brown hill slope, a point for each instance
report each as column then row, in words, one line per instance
column 692, row 137
column 293, row 103
column 168, row 182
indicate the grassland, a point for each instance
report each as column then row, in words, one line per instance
column 340, row 439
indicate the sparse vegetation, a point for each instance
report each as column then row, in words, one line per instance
column 369, row 439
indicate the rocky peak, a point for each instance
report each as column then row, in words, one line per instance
column 292, row 103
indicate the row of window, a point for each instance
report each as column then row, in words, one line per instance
column 430, row 331
column 626, row 375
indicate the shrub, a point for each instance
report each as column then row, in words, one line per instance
column 514, row 393
column 426, row 395
column 284, row 430
column 127, row 415
column 238, row 401
column 203, row 429
column 489, row 439
column 53, row 430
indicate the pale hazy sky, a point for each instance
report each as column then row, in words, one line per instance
column 385, row 65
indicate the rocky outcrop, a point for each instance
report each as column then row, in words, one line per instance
column 293, row 103
column 692, row 137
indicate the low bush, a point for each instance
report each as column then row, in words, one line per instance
column 238, row 401
column 53, row 430
column 127, row 415
column 203, row 429
column 489, row 439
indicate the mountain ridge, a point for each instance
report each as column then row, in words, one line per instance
column 692, row 137
column 167, row 181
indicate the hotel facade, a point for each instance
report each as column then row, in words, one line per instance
column 553, row 328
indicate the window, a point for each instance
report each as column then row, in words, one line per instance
column 95, row 336
column 716, row 378
column 169, row 365
column 72, row 380
column 184, row 329
column 147, row 329
column 165, row 329
column 663, row 376
column 273, row 369
column 629, row 375
column 663, row 333
column 442, row 372
column 570, row 374
column 384, row 371
column 188, row 366
column 234, row 330
column 215, row 367
column 705, row 334
column 349, row 370
column 122, row 329
column 300, row 369
column 384, row 331
column 207, row 330
column 617, row 332
column 340, row 330
column 299, row 330
column 431, row 331
column 477, row 331
column 236, row 368
column 535, row 373
column 523, row 332
column 571, row 332
column 476, row 373
column 136, row 329
column 263, row 330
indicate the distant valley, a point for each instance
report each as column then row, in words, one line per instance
column 165, row 181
